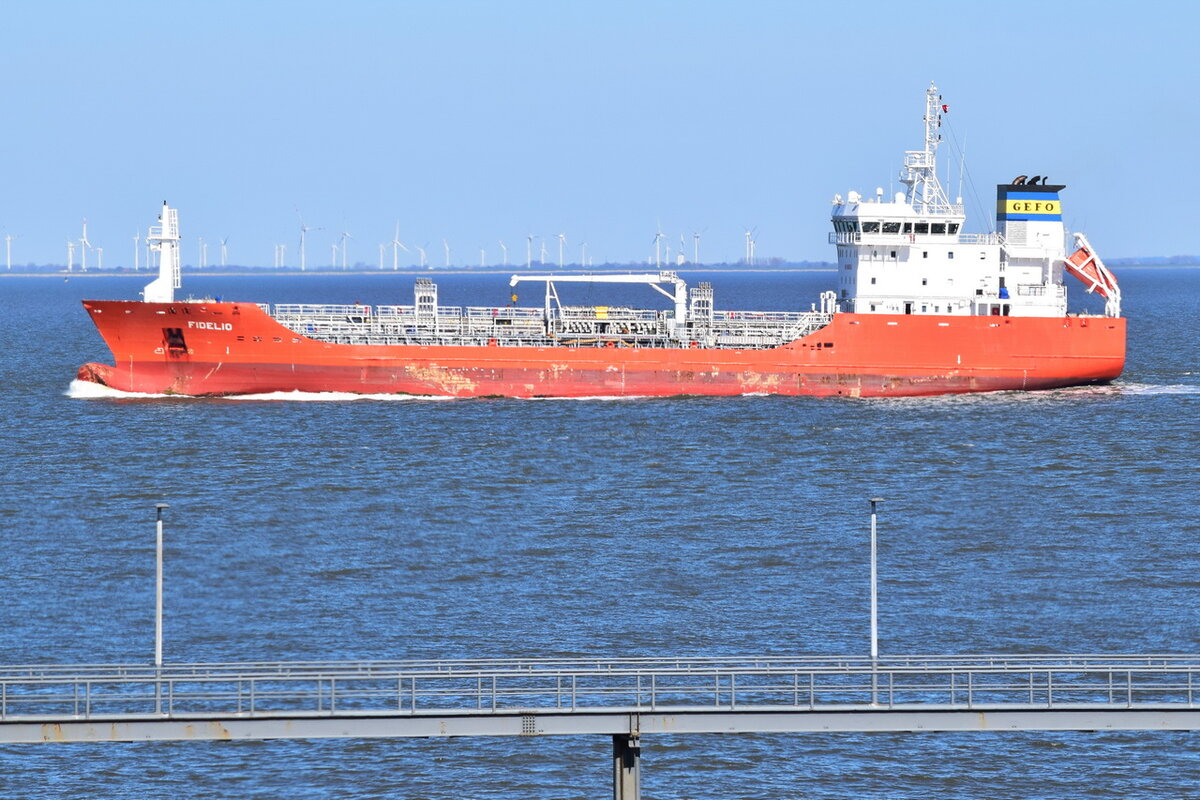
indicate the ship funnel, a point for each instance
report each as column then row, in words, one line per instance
column 1029, row 215
column 164, row 240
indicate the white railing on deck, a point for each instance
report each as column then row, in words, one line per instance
column 914, row 238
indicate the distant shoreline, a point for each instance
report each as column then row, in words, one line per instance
column 252, row 273
column 422, row 272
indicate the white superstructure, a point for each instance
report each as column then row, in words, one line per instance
column 908, row 254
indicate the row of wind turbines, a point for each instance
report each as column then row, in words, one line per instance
column 663, row 256
column 341, row 246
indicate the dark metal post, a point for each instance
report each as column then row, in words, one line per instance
column 627, row 767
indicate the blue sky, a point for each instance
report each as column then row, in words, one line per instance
column 477, row 122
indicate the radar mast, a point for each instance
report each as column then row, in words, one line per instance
column 925, row 192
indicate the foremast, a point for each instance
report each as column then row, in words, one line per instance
column 164, row 240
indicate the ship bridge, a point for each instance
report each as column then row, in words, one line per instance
column 910, row 255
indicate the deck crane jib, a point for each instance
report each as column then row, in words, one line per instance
column 678, row 295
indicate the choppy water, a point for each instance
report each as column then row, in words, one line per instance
column 1055, row 522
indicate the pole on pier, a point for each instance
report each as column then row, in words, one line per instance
column 627, row 767
column 158, row 584
column 874, row 607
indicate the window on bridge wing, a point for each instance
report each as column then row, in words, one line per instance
column 953, row 226
column 870, row 227
column 891, row 227
column 937, row 227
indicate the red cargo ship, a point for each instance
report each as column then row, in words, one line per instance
column 921, row 308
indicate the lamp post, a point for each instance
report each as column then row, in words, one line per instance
column 874, row 608
column 158, row 584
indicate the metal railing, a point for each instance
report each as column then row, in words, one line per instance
column 915, row 238
column 1052, row 682
column 572, row 326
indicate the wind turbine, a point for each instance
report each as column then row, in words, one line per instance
column 696, row 249
column 305, row 229
column 562, row 240
column 100, row 258
column 137, row 237
column 421, row 251
column 658, row 237
column 529, row 251
column 333, row 263
column 543, row 258
column 8, row 237
column 583, row 254
column 749, row 247
column 345, row 236
column 283, row 255
column 225, row 253
column 84, row 244
column 70, row 256
column 201, row 251
column 446, row 245
column 382, row 247
column 396, row 247
column 504, row 247
column 482, row 257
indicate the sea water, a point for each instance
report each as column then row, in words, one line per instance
column 359, row 528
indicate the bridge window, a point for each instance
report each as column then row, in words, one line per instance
column 950, row 255
column 891, row 227
column 924, row 254
column 921, row 227
column 908, row 227
column 953, row 227
column 872, row 281
column 893, row 254
column 870, row 227
column 937, row 227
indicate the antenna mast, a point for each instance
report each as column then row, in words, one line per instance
column 925, row 192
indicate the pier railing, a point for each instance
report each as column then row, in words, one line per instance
column 87, row 692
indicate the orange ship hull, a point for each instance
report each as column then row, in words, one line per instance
column 223, row 348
